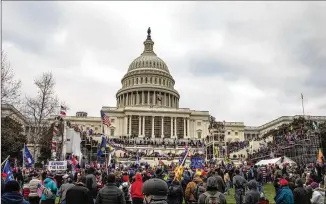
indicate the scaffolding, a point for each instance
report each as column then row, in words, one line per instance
column 304, row 151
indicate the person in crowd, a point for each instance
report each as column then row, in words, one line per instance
column 190, row 193
column 318, row 195
column 79, row 193
column 227, row 182
column 135, row 190
column 300, row 194
column 26, row 189
column 51, row 186
column 239, row 183
column 91, row 182
column 253, row 195
column 110, row 193
column 175, row 192
column 212, row 194
column 33, row 197
column 68, row 183
column 155, row 191
column 12, row 194
column 284, row 195
column 125, row 187
column 260, row 180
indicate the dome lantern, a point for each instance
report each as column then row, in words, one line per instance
column 148, row 44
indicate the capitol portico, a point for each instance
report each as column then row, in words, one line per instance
column 148, row 104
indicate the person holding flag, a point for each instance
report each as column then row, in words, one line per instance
column 28, row 159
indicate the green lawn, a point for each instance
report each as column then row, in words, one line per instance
column 268, row 189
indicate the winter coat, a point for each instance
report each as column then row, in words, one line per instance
column 63, row 190
column 126, row 184
column 136, row 187
column 178, row 198
column 318, row 197
column 79, row 194
column 191, row 188
column 13, row 198
column 212, row 189
column 284, row 196
column 110, row 194
column 202, row 197
column 91, row 184
column 301, row 196
column 252, row 196
column 50, row 184
column 33, row 187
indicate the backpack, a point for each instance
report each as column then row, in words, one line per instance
column 47, row 193
column 125, row 189
column 174, row 190
column 199, row 189
column 212, row 199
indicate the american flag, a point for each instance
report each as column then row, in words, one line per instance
column 105, row 119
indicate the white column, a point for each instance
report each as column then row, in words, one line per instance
column 139, row 127
column 125, row 126
column 184, row 128
column 142, row 97
column 175, row 126
column 148, row 95
column 169, row 100
column 143, row 126
column 153, row 127
column 188, row 120
column 130, row 124
column 154, row 99
column 137, row 98
column 127, row 101
column 162, row 127
column 172, row 127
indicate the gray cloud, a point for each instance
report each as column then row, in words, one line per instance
column 242, row 61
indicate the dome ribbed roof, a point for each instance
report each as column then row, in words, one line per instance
column 148, row 61
column 148, row 58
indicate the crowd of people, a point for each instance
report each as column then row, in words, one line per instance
column 139, row 183
column 237, row 145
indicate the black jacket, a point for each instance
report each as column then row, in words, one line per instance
column 301, row 196
column 177, row 197
column 78, row 194
column 110, row 194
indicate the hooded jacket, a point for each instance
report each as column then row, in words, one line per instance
column 191, row 187
column 110, row 194
column 13, row 198
column 252, row 196
column 284, row 196
column 318, row 197
column 300, row 194
column 179, row 197
column 212, row 189
column 136, row 187
column 33, row 187
column 50, row 184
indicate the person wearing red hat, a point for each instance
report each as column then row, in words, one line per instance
column 284, row 193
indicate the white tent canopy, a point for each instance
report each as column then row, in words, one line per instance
column 277, row 161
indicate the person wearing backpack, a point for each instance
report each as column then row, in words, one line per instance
column 253, row 195
column 175, row 193
column 212, row 195
column 49, row 191
column 239, row 187
column 190, row 193
column 125, row 187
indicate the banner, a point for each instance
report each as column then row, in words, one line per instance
column 57, row 165
column 196, row 163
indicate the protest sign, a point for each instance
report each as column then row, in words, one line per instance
column 57, row 165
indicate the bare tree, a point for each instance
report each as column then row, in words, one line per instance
column 10, row 88
column 40, row 108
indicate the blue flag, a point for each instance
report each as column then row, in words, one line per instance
column 28, row 157
column 8, row 171
column 102, row 147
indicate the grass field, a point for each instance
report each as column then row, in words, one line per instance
column 268, row 189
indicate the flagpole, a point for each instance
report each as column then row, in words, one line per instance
column 5, row 160
column 23, row 156
column 302, row 104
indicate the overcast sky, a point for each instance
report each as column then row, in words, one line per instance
column 241, row 61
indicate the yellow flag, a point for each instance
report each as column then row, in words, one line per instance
column 291, row 128
column 320, row 155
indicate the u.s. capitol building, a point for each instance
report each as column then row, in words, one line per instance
column 148, row 104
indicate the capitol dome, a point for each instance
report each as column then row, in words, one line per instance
column 148, row 81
